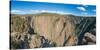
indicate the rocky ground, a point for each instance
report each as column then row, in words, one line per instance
column 51, row 30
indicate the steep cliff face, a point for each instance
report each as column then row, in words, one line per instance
column 49, row 30
column 18, row 24
column 55, row 28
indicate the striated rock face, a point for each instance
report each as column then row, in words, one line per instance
column 55, row 28
column 18, row 24
column 51, row 30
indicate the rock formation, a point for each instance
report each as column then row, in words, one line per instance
column 50, row 30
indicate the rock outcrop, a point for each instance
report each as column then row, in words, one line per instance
column 50, row 30
column 18, row 24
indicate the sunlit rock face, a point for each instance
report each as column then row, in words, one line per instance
column 51, row 30
column 35, row 41
column 58, row 29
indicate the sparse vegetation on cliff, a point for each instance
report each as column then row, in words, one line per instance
column 51, row 30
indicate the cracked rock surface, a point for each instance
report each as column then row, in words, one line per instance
column 50, row 30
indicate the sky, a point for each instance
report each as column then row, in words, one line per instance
column 27, row 7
